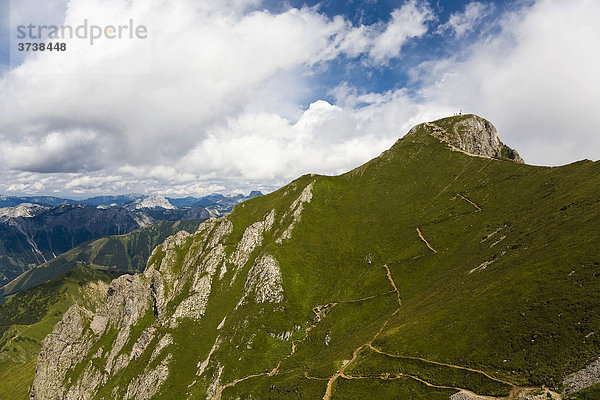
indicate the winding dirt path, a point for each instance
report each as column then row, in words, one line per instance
column 341, row 372
column 425, row 240
column 512, row 395
column 319, row 312
column 375, row 349
column 389, row 276
column 416, row 378
column 515, row 390
column 470, row 202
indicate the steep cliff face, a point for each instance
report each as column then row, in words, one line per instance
column 28, row 317
column 426, row 274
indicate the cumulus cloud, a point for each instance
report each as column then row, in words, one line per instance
column 207, row 63
column 381, row 42
column 407, row 22
column 213, row 81
column 466, row 21
column 268, row 147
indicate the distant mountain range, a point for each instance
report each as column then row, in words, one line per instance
column 224, row 202
column 36, row 229
column 12, row 201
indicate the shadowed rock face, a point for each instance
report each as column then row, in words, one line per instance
column 470, row 133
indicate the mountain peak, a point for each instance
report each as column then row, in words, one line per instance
column 155, row 201
column 468, row 133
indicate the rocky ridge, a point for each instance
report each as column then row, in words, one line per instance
column 175, row 286
column 25, row 210
column 153, row 201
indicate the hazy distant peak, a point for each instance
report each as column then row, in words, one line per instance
column 155, row 201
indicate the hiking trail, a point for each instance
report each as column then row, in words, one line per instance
column 470, row 202
column 425, row 240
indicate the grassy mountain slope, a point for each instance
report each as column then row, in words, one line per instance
column 26, row 318
column 424, row 272
column 123, row 253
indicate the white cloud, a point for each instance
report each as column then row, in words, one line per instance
column 326, row 139
column 383, row 42
column 208, row 64
column 409, row 21
column 466, row 21
column 222, row 80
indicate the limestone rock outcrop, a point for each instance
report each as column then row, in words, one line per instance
column 469, row 133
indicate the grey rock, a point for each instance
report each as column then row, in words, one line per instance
column 120, row 307
column 61, row 350
column 468, row 133
column 146, row 385
column 176, row 284
column 584, row 378
column 462, row 395
column 264, row 280
column 251, row 239
column 296, row 212
column 163, row 343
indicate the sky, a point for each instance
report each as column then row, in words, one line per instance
column 235, row 95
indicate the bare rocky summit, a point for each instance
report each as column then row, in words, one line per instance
column 471, row 134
